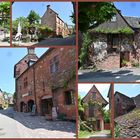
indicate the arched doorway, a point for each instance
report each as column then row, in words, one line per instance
column 30, row 105
column 22, row 104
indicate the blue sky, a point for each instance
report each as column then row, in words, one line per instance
column 130, row 90
column 129, row 8
column 8, row 58
column 103, row 89
column 64, row 9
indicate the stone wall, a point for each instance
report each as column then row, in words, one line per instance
column 49, row 19
column 22, row 65
column 112, row 61
column 44, row 83
column 24, row 94
column 137, row 38
column 93, row 95
column 52, row 20
column 103, row 59
column 122, row 104
column 99, row 46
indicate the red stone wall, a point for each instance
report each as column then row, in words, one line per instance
column 59, row 101
column 111, row 62
column 107, row 126
column 94, row 95
column 42, row 82
column 23, row 64
column 21, row 90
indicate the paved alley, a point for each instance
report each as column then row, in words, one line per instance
column 116, row 75
column 23, row 125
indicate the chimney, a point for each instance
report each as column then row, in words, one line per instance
column 31, row 51
column 48, row 6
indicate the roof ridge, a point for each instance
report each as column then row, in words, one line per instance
column 123, row 94
column 132, row 16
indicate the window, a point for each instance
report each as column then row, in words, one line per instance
column 114, row 18
column 54, row 64
column 25, row 82
column 91, row 110
column 30, row 63
column 113, row 41
column 43, row 86
column 69, row 97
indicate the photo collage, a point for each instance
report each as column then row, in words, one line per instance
column 69, row 69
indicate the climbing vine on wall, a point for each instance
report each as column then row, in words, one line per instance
column 83, row 57
column 125, row 30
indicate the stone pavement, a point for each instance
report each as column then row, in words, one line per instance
column 4, row 43
column 23, row 44
column 116, row 75
column 27, row 126
column 68, row 41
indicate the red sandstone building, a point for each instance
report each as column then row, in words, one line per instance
column 47, row 83
column 53, row 21
column 92, row 110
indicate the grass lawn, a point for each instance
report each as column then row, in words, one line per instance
column 84, row 134
column 87, row 134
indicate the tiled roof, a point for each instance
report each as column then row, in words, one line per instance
column 133, row 21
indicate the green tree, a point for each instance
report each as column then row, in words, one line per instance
column 90, row 15
column 5, row 16
column 80, row 106
column 33, row 17
column 24, row 25
column 83, row 55
column 106, row 116
column 93, row 14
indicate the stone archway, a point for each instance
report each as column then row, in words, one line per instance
column 30, row 105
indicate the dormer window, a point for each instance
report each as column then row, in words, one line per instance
column 114, row 18
column 31, row 62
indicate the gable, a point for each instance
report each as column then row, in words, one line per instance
column 49, row 12
column 94, row 94
column 22, row 65
column 117, row 25
column 124, row 98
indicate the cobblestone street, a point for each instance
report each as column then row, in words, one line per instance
column 115, row 75
column 23, row 125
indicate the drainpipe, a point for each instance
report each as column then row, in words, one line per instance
column 34, row 88
column 16, row 103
